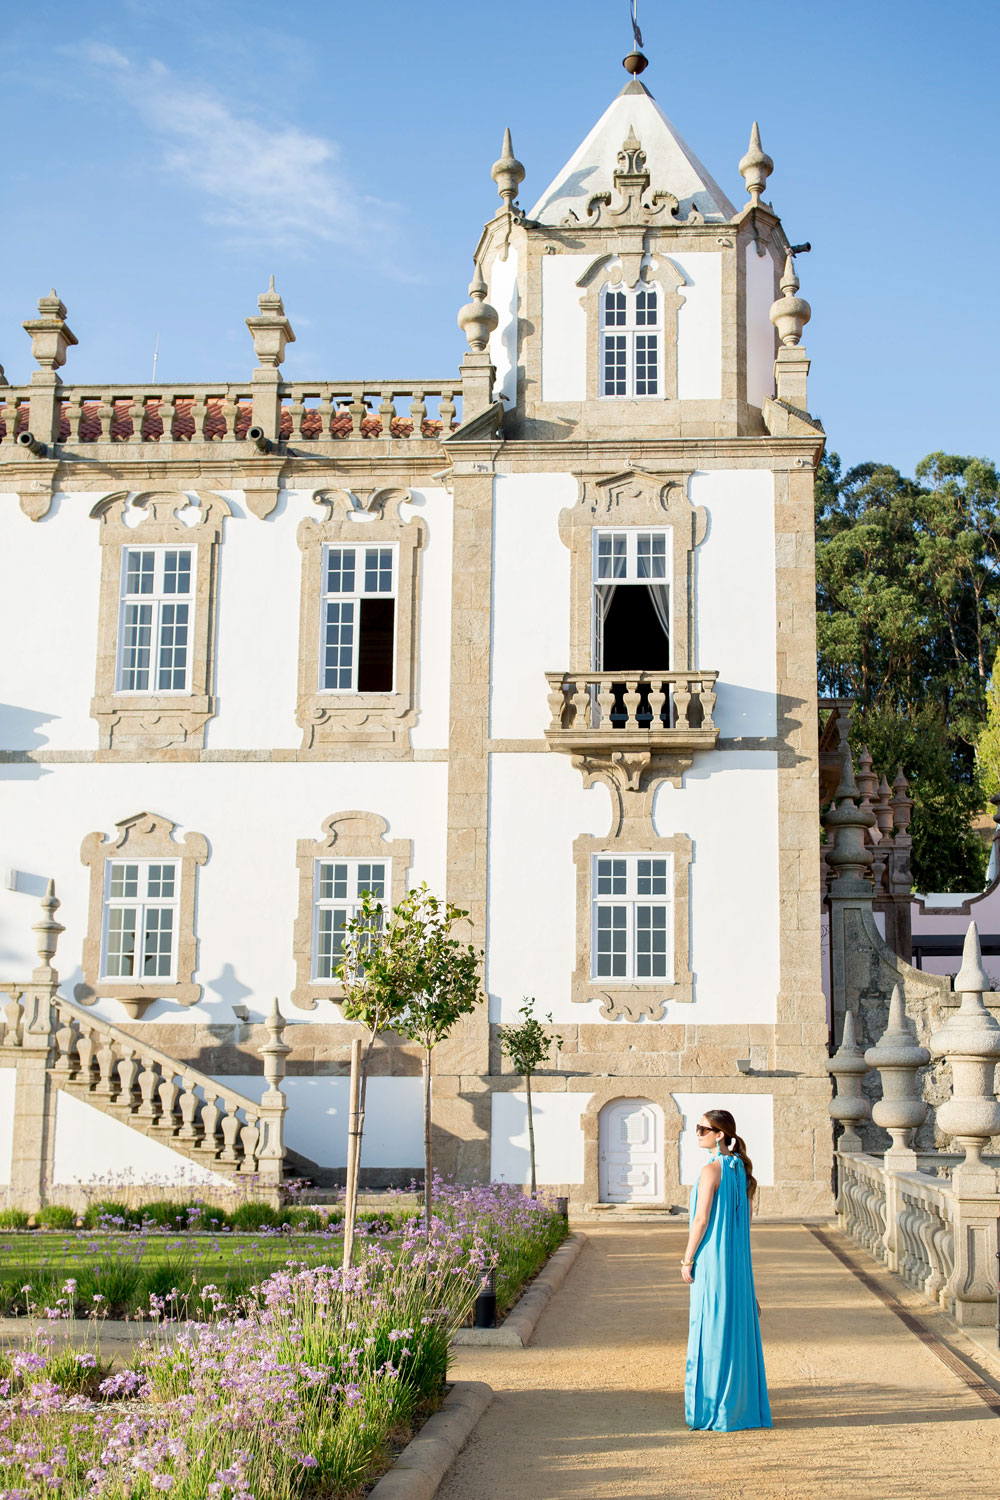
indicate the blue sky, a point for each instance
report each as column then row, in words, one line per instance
column 160, row 160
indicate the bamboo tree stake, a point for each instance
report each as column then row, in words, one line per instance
column 353, row 1152
column 531, row 1132
column 428, row 1169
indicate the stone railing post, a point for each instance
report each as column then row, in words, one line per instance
column 271, row 331
column 271, row 1151
column 970, row 1041
column 50, row 338
column 849, row 1107
column 477, row 320
column 849, row 857
column 32, row 1101
column 898, row 1057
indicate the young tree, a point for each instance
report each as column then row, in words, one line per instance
column 527, row 1045
column 377, row 973
column 443, row 985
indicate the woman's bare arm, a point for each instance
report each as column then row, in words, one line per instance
column 708, row 1182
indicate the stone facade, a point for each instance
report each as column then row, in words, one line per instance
column 506, row 757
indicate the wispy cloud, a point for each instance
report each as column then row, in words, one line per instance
column 266, row 183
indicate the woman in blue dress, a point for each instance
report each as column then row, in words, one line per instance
column 725, row 1389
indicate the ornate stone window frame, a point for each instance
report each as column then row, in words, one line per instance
column 633, row 1000
column 356, row 723
column 144, row 836
column 346, row 835
column 138, row 726
column 634, row 498
column 622, row 269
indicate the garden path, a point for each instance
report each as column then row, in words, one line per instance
column 594, row 1407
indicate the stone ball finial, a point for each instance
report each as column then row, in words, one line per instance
column 756, row 166
column 790, row 313
column 848, row 1067
column 970, row 1041
column 477, row 319
column 507, row 172
column 270, row 329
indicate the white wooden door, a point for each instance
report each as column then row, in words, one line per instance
column 630, row 1152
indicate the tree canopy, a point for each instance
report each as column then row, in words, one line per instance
column 908, row 623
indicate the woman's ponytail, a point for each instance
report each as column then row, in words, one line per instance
column 721, row 1119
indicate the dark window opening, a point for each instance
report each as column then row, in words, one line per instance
column 634, row 639
column 375, row 645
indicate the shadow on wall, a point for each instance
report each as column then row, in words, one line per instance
column 230, row 989
column 19, row 732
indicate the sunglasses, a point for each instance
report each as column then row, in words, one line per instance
column 706, row 1130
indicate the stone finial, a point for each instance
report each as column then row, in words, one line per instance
column 756, row 167
column 790, row 313
column 50, row 333
column 902, row 804
column 883, row 809
column 867, row 780
column 477, row 319
column 848, row 1067
column 970, row 1041
column 275, row 1049
column 898, row 1057
column 850, row 858
column 507, row 172
column 270, row 330
column 48, row 930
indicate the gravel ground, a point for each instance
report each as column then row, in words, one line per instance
column 594, row 1407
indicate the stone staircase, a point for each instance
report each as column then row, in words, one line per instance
column 116, row 1072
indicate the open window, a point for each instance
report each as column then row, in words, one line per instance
column 358, row 620
column 631, row 600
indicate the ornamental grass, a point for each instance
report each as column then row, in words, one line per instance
column 302, row 1387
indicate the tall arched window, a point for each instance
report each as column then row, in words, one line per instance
column 631, row 340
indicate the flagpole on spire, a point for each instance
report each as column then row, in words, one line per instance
column 635, row 63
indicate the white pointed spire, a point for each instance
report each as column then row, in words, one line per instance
column 507, row 172
column 756, row 166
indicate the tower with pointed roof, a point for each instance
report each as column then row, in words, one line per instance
column 540, row 633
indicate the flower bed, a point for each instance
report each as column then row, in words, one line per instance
column 298, row 1389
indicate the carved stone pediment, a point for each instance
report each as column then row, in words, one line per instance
column 631, row 201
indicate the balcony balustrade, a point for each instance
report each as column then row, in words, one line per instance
column 595, row 713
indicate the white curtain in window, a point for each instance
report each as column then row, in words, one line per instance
column 603, row 595
column 660, row 595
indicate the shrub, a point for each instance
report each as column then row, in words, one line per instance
column 258, row 1216
column 165, row 1214
column 56, row 1216
column 110, row 1215
column 13, row 1218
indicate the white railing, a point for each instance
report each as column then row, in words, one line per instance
column 861, row 1201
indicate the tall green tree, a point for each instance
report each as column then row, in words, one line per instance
column 908, row 624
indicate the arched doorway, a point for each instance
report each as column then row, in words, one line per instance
column 630, row 1152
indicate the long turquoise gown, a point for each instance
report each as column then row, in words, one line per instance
column 725, row 1389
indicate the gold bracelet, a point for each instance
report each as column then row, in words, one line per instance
column 686, row 1263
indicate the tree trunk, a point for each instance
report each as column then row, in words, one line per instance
column 428, row 1166
column 354, row 1118
column 531, row 1133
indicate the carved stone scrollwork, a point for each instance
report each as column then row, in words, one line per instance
column 631, row 201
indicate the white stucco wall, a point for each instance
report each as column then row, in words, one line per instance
column 50, row 573
column 558, row 1138
column 754, row 1116
column 8, row 1085
column 564, row 328
column 90, row 1147
column 728, row 807
column 760, row 294
column 699, row 326
column 503, row 339
column 530, row 628
column 538, row 806
column 736, row 620
column 316, row 1120
column 247, row 892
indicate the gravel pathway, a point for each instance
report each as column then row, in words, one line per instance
column 594, row 1407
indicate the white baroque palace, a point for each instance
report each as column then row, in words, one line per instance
column 540, row 635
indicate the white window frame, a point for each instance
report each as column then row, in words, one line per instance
column 147, row 904
column 630, row 545
column 636, row 908
column 357, row 870
column 353, row 597
column 623, row 324
column 159, row 602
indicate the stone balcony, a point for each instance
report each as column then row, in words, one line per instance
column 632, row 719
